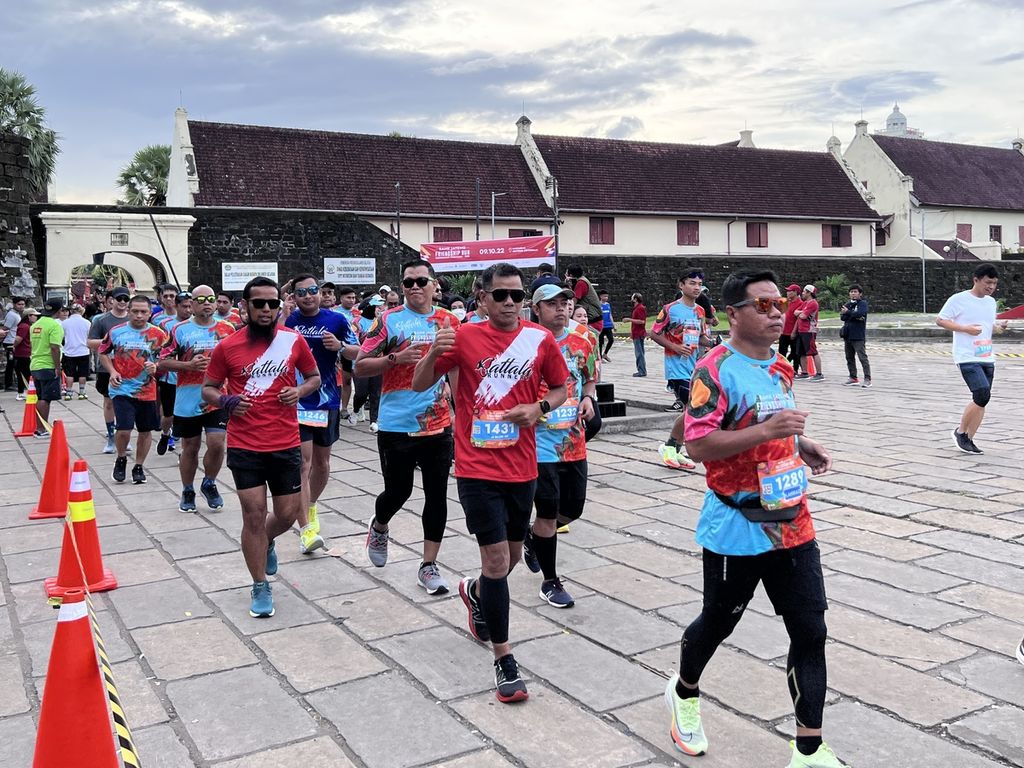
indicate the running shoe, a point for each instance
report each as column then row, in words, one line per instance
column 669, row 456
column 20, row 396
column 676, row 407
column 262, row 605
column 964, row 443
column 109, row 447
column 138, row 474
column 83, row 396
column 639, row 375
column 802, row 376
column 430, row 578
column 376, row 545
column 529, row 556
column 362, row 415
column 507, row 682
column 685, row 462
column 562, row 528
column 209, row 490
column 373, row 427
column 823, row 757
column 851, row 382
column 687, row 731
column 271, row 568
column 42, row 434
column 188, row 500
column 553, row 591
column 310, row 540
column 68, row 396
column 477, row 625
column 120, row 469
column 1020, row 652
column 817, row 377
column 313, row 518
column 161, row 446
column 170, row 443
column 866, row 384
column 352, row 419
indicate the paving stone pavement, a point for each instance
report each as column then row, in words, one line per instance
column 923, row 549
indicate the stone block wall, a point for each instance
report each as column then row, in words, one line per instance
column 19, row 275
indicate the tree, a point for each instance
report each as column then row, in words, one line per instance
column 144, row 179
column 833, row 291
column 21, row 115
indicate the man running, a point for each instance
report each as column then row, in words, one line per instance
column 258, row 366
column 186, row 357
column 129, row 354
column 166, row 308
column 346, row 307
column 678, row 329
column 971, row 316
column 101, row 326
column 47, row 335
column 414, row 428
column 226, row 310
column 561, row 445
column 167, row 384
column 327, row 333
column 755, row 525
column 502, row 365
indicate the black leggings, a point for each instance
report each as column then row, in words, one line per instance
column 22, row 371
column 608, row 334
column 399, row 457
column 367, row 390
column 805, row 665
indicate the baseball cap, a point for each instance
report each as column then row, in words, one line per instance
column 376, row 301
column 549, row 292
column 793, row 287
column 328, row 284
column 810, row 288
column 29, row 311
column 55, row 304
column 120, row 291
column 385, row 288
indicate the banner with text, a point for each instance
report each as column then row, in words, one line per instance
column 235, row 274
column 350, row 271
column 476, row 255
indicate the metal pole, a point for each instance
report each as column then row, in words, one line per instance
column 493, row 195
column 478, row 208
column 924, row 279
column 398, row 208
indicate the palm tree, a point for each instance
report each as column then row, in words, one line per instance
column 144, row 179
column 21, row 115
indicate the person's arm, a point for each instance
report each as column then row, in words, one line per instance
column 952, row 325
column 426, row 373
column 658, row 337
column 723, row 443
column 55, row 352
column 369, row 364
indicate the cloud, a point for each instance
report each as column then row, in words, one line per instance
column 1009, row 58
column 628, row 127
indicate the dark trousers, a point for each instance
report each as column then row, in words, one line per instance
column 21, row 367
column 856, row 348
column 367, row 390
column 607, row 335
column 9, row 366
column 788, row 350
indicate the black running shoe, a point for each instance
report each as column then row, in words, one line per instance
column 120, row 469
column 529, row 556
column 509, row 685
column 138, row 474
column 477, row 625
column 161, row 447
column 964, row 443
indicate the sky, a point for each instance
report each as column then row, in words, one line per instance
column 110, row 74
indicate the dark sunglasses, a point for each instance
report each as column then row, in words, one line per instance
column 265, row 303
column 501, row 295
column 182, row 296
column 763, row 304
column 121, row 298
column 419, row 282
column 204, row 299
column 311, row 291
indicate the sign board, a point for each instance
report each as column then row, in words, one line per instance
column 235, row 274
column 351, row 271
column 476, row 255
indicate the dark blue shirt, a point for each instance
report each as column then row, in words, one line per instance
column 312, row 329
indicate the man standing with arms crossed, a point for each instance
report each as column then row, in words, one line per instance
column 327, row 333
column 971, row 316
column 414, row 427
column 257, row 366
column 186, row 357
column 101, row 326
column 501, row 366
column 755, row 525
column 47, row 335
column 561, row 445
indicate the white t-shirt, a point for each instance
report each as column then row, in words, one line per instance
column 965, row 308
column 76, row 331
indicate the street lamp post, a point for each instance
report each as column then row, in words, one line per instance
column 924, row 280
column 398, row 209
column 494, row 195
column 478, row 208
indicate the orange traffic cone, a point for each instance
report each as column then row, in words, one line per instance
column 74, row 723
column 28, row 421
column 810, row 368
column 80, row 531
column 53, row 496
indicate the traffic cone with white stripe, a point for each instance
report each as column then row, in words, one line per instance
column 81, row 563
column 29, row 425
column 74, row 723
column 53, row 495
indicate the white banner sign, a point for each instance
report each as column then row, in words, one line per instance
column 350, row 271
column 235, row 274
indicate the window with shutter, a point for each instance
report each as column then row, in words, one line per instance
column 447, row 234
column 602, row 230
column 995, row 233
column 757, row 234
column 881, row 236
column 687, row 233
column 964, row 232
column 826, row 235
column 524, row 233
column 845, row 236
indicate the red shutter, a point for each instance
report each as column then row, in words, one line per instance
column 964, row 232
column 845, row 237
column 826, row 235
column 1020, row 237
column 447, row 234
column 595, row 230
column 752, row 234
column 687, row 233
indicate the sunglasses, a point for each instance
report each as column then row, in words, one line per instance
column 763, row 304
column 501, row 295
column 204, row 299
column 265, row 303
column 311, row 291
column 419, row 282
column 183, row 295
column 121, row 298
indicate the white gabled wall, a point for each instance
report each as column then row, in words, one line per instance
column 183, row 179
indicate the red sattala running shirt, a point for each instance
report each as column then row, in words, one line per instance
column 260, row 369
column 499, row 370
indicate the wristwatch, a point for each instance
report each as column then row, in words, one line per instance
column 393, row 358
column 545, row 407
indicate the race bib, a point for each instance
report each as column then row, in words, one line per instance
column 691, row 336
column 983, row 348
column 565, row 415
column 313, row 418
column 492, row 430
column 783, row 483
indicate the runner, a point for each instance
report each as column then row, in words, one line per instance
column 167, row 384
column 742, row 423
column 678, row 329
column 807, row 333
column 102, row 324
column 501, row 366
column 561, row 445
column 479, row 311
column 44, row 366
column 226, row 310
column 971, row 316
column 347, row 298
column 368, row 388
column 166, row 308
column 258, row 367
column 186, row 357
column 327, row 333
column 76, row 351
column 854, row 334
column 129, row 353
column 414, row 427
